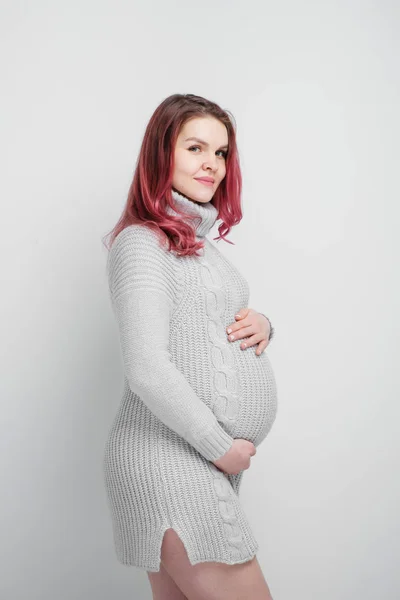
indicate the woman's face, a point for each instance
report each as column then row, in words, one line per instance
column 201, row 157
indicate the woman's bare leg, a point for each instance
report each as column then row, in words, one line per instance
column 212, row 580
column 163, row 586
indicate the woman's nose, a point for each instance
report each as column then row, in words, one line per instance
column 211, row 162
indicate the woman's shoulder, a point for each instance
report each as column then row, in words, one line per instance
column 138, row 259
column 139, row 239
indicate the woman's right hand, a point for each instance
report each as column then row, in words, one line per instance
column 237, row 458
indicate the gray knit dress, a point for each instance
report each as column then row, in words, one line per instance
column 188, row 392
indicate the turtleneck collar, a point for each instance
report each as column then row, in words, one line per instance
column 206, row 211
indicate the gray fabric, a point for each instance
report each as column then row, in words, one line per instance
column 188, row 392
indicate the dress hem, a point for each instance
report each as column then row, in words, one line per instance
column 193, row 561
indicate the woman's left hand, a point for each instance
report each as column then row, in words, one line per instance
column 252, row 324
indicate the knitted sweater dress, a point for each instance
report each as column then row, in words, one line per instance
column 188, row 393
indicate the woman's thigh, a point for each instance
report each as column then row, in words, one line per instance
column 163, row 586
column 212, row 580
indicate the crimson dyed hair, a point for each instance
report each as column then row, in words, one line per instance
column 150, row 190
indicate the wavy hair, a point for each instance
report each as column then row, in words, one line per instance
column 150, row 191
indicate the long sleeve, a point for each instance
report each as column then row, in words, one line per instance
column 142, row 285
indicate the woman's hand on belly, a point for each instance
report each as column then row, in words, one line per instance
column 252, row 325
column 237, row 458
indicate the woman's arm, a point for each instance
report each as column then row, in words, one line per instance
column 142, row 286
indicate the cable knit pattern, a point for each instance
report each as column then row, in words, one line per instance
column 188, row 392
column 226, row 403
column 226, row 386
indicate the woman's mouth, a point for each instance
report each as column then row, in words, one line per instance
column 205, row 182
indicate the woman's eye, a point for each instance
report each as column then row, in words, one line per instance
column 224, row 153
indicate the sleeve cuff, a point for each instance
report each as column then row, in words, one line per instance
column 215, row 444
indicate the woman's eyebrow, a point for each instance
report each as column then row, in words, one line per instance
column 195, row 139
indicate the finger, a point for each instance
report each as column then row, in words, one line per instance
column 240, row 333
column 251, row 341
column 261, row 347
column 238, row 326
column 243, row 312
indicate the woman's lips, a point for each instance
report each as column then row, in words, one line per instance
column 209, row 183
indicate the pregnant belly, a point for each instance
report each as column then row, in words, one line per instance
column 253, row 405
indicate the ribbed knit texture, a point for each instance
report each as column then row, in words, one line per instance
column 188, row 392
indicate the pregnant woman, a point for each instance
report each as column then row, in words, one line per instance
column 197, row 400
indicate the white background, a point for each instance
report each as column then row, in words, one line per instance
column 314, row 89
